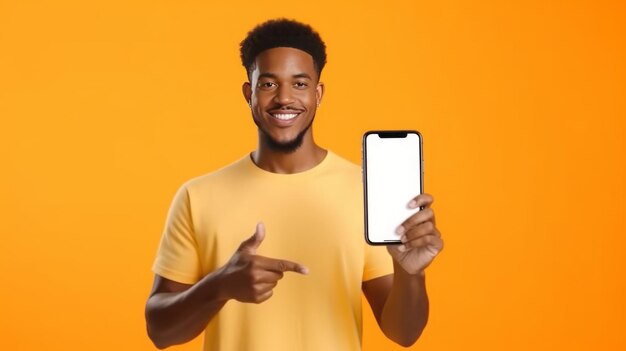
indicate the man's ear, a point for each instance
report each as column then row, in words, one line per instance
column 319, row 93
column 247, row 92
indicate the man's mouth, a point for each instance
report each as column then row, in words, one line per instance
column 285, row 116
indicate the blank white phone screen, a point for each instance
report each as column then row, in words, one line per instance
column 393, row 179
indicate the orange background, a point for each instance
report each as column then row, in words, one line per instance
column 106, row 107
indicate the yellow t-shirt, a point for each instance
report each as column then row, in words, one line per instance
column 314, row 218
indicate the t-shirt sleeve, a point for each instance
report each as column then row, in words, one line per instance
column 378, row 262
column 177, row 256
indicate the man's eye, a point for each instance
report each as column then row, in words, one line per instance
column 267, row 85
column 301, row 85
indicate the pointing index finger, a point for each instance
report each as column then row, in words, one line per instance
column 280, row 265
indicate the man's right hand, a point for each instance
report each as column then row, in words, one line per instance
column 248, row 277
column 177, row 313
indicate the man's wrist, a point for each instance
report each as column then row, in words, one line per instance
column 400, row 271
column 212, row 288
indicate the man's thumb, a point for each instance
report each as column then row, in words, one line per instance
column 253, row 242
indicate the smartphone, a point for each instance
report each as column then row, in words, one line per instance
column 392, row 176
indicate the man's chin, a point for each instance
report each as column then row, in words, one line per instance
column 287, row 147
column 284, row 146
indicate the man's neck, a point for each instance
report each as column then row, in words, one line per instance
column 307, row 156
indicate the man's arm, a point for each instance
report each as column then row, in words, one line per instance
column 399, row 301
column 400, row 305
column 177, row 313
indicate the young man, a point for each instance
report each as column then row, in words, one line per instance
column 294, row 282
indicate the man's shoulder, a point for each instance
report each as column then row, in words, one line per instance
column 242, row 170
column 343, row 165
column 228, row 173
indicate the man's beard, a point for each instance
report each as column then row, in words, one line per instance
column 286, row 147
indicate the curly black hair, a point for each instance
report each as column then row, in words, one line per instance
column 282, row 32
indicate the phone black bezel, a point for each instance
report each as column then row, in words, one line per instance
column 386, row 134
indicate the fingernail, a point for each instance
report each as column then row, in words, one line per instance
column 400, row 230
column 403, row 238
column 401, row 248
column 413, row 204
column 304, row 270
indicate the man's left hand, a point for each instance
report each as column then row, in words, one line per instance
column 421, row 241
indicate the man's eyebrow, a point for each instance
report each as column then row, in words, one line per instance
column 267, row 75
column 274, row 76
column 302, row 75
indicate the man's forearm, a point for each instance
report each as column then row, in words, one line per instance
column 405, row 313
column 177, row 317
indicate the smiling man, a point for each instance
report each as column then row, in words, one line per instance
column 285, row 97
column 268, row 253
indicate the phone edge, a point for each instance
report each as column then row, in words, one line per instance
column 364, row 177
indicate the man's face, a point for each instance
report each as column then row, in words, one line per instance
column 283, row 93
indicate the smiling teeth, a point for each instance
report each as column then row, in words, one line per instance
column 285, row 116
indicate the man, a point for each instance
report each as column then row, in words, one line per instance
column 296, row 282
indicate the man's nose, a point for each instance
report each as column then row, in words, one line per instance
column 283, row 95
